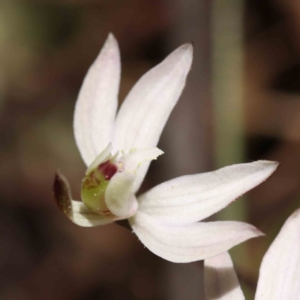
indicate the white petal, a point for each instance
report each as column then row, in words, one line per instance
column 279, row 277
column 76, row 211
column 189, row 242
column 135, row 159
column 195, row 197
column 97, row 102
column 84, row 217
column 147, row 107
column 220, row 280
column 119, row 197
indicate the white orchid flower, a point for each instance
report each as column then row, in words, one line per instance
column 118, row 148
column 279, row 276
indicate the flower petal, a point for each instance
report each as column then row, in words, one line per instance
column 97, row 102
column 189, row 242
column 220, row 280
column 84, row 217
column 147, row 107
column 76, row 211
column 135, row 160
column 102, row 157
column 280, row 269
column 119, row 197
column 194, row 197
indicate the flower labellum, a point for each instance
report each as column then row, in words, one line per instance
column 118, row 148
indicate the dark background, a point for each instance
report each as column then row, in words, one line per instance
column 241, row 103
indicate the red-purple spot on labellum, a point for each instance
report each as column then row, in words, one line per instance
column 108, row 170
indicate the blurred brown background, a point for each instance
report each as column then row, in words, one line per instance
column 241, row 103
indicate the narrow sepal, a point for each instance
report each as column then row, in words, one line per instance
column 147, row 107
column 192, row 198
column 191, row 242
column 97, row 102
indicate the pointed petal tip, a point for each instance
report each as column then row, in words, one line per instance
column 258, row 233
column 111, row 47
column 110, row 35
column 111, row 38
column 251, row 232
column 254, row 231
column 188, row 48
column 183, row 53
column 268, row 167
column 270, row 163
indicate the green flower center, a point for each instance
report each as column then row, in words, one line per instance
column 94, row 185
